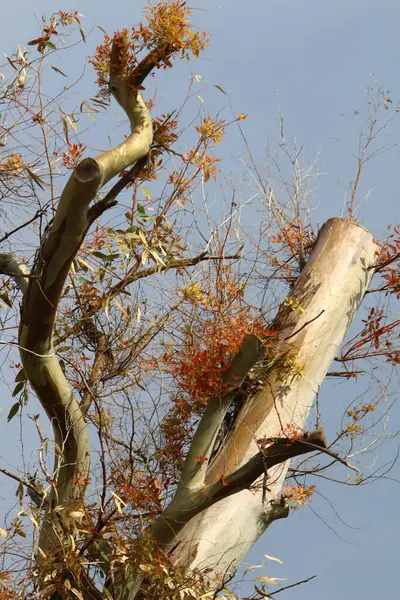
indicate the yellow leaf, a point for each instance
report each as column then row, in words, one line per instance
column 144, row 258
column 76, row 514
column 105, row 306
column 143, row 238
column 252, row 567
column 71, row 123
column 3, row 532
column 271, row 580
column 273, row 558
column 121, row 306
column 32, row 518
column 146, row 192
column 119, row 503
column 84, row 263
column 157, row 257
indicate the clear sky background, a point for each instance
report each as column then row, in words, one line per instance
column 319, row 56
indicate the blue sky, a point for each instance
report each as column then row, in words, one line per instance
column 319, row 56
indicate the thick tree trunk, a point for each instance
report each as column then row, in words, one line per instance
column 312, row 324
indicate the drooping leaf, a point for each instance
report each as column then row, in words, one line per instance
column 273, row 558
column 21, row 375
column 146, row 192
column 271, row 580
column 6, row 299
column 18, row 388
column 220, row 89
column 13, row 411
column 20, row 492
column 65, row 129
column 58, row 70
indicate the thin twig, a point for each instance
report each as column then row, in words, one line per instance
column 304, row 325
column 25, row 482
column 287, row 587
column 10, row 233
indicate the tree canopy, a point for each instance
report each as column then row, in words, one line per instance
column 175, row 344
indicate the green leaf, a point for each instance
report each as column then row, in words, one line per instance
column 146, row 192
column 25, row 396
column 18, row 388
column 35, row 178
column 141, row 211
column 21, row 375
column 6, row 299
column 82, row 34
column 58, row 71
column 106, row 257
column 13, row 411
column 220, row 89
column 20, row 492
column 51, row 46
column 65, row 128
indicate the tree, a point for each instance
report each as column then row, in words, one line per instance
column 176, row 398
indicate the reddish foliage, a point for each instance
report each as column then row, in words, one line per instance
column 374, row 339
column 198, row 364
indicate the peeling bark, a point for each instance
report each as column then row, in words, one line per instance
column 329, row 290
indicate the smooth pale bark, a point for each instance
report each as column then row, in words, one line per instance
column 329, row 291
column 41, row 296
column 191, row 500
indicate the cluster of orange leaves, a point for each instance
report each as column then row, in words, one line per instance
column 297, row 495
column 198, row 364
column 167, row 31
column 353, row 428
column 141, row 490
column 72, row 156
column 12, row 165
column 168, row 26
column 211, row 129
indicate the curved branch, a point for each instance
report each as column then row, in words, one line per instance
column 52, row 263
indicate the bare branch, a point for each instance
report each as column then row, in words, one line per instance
column 280, row 451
